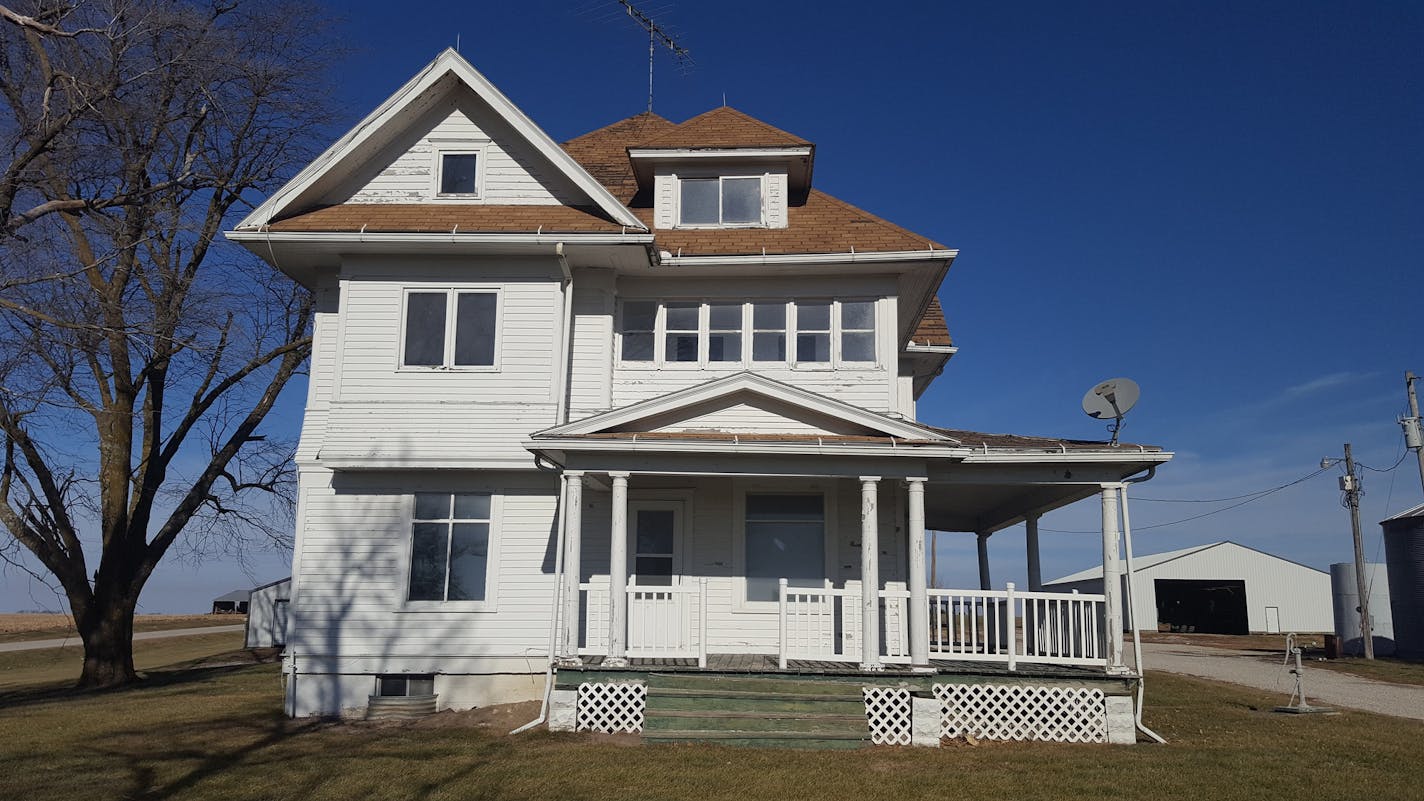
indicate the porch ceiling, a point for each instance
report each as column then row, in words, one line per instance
column 991, row 507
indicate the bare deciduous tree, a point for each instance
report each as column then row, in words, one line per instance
column 138, row 352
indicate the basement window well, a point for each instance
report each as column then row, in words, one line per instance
column 405, row 685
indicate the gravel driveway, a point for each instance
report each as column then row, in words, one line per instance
column 1322, row 687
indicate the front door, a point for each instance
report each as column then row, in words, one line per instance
column 659, row 605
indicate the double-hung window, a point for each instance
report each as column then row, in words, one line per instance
column 450, row 328
column 458, row 171
column 450, row 547
column 785, row 537
column 810, row 333
column 725, row 200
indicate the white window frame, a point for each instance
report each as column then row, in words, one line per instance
column 826, row 488
column 439, row 152
column 747, row 360
column 491, row 601
column 721, row 179
column 452, row 292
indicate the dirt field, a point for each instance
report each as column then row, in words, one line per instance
column 18, row 627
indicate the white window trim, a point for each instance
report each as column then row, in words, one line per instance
column 720, row 176
column 741, row 488
column 491, row 602
column 438, row 152
column 451, row 292
column 837, row 361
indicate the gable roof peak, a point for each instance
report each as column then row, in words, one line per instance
column 723, row 127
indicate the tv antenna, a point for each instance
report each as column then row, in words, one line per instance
column 656, row 35
column 1111, row 399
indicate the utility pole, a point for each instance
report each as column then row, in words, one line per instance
column 1351, row 484
column 1413, row 430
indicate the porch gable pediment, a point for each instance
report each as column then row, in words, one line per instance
column 749, row 404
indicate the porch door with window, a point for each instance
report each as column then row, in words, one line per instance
column 659, row 606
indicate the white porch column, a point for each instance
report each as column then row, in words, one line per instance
column 1112, row 578
column 618, row 574
column 573, row 549
column 984, row 581
column 919, row 594
column 1035, row 575
column 869, row 574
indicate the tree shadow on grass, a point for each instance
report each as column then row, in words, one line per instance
column 170, row 676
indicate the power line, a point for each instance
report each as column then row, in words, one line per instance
column 1234, row 497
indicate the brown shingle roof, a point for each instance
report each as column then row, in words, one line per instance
column 932, row 329
column 444, row 217
column 721, row 127
column 979, row 439
column 820, row 224
column 604, row 152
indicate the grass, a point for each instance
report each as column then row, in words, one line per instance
column 219, row 734
column 1382, row 668
column 1274, row 647
column 22, row 627
column 56, row 667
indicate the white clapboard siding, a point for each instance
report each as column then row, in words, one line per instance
column 591, row 359
column 867, row 388
column 747, row 413
column 513, row 172
column 413, row 434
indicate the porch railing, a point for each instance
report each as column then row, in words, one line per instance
column 824, row 624
column 664, row 622
column 1011, row 627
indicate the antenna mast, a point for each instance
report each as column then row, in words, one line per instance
column 656, row 36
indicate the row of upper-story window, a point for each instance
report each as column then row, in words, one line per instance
column 454, row 328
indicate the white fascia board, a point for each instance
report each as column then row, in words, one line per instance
column 318, row 238
column 448, row 62
column 747, row 382
column 931, row 350
column 1122, row 456
column 825, row 448
column 718, row 153
column 929, row 254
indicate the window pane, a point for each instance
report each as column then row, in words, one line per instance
column 432, row 506
column 784, row 507
column 858, row 314
column 469, row 556
column 769, row 316
column 682, row 316
column 724, row 316
column 474, row 328
column 638, row 347
column 813, row 316
column 699, row 201
column 457, row 174
column 812, row 348
column 769, row 347
column 472, row 507
column 654, row 571
column 785, row 538
column 724, row 347
column 425, row 328
column 655, row 530
column 427, row 562
column 858, row 346
column 741, row 200
column 420, row 685
column 640, row 315
column 681, row 348
column 388, row 686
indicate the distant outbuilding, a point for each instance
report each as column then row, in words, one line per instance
column 234, row 603
column 1404, row 554
column 267, row 614
column 1222, row 588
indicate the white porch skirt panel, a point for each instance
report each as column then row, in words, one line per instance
column 888, row 713
column 610, row 707
column 1023, row 712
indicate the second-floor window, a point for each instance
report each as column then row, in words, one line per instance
column 725, row 200
column 449, row 328
column 803, row 333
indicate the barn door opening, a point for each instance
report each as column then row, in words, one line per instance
column 1205, row 606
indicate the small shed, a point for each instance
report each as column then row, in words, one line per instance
column 267, row 614
column 1222, row 588
column 233, row 603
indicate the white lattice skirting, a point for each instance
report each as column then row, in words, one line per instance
column 888, row 712
column 610, row 708
column 1016, row 712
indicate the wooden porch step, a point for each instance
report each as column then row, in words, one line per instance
column 819, row 739
column 718, row 714
column 798, row 685
column 747, row 695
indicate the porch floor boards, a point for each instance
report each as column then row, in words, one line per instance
column 767, row 663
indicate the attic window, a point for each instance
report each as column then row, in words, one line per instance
column 458, row 173
column 721, row 201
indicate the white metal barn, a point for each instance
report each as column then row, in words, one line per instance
column 1222, row 587
column 267, row 614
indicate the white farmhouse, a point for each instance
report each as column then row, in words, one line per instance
column 638, row 413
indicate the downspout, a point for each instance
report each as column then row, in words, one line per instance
column 1131, row 605
column 561, row 413
column 554, row 612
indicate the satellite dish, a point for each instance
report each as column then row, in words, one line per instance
column 1110, row 400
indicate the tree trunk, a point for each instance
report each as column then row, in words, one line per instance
column 108, row 644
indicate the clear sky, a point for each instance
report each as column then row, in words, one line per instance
column 1224, row 203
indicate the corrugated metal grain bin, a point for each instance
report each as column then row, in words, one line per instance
column 1346, row 601
column 1404, row 554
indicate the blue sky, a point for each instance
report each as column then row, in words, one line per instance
column 1224, row 203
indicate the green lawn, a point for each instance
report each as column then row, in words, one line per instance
column 50, row 667
column 219, row 734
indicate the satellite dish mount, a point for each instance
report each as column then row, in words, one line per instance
column 1111, row 399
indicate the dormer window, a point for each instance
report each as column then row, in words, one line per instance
column 723, row 200
column 459, row 173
